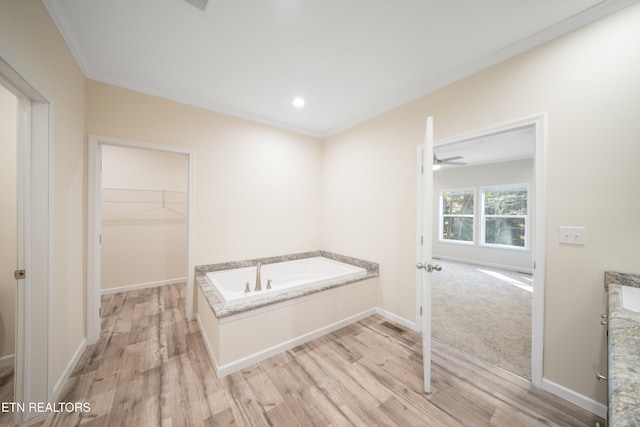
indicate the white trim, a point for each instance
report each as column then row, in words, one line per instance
column 576, row 398
column 419, row 235
column 485, row 264
column 191, row 236
column 397, row 319
column 63, row 26
column 138, row 286
column 8, row 360
column 21, row 361
column 93, row 238
column 244, row 362
column 49, row 111
column 59, row 385
column 93, row 225
column 538, row 230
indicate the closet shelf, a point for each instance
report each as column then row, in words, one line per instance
column 131, row 206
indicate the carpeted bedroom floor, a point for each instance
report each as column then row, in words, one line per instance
column 485, row 312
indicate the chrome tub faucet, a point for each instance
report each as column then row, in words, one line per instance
column 258, row 284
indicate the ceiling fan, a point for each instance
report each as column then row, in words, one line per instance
column 437, row 163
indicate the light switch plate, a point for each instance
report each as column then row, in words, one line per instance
column 572, row 235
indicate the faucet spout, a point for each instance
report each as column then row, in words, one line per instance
column 258, row 284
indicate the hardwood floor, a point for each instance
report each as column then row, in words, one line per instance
column 6, row 393
column 150, row 368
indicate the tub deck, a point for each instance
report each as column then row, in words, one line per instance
column 221, row 309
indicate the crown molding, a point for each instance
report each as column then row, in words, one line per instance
column 592, row 14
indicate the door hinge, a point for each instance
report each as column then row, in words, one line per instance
column 420, row 311
column 20, row 274
column 422, row 240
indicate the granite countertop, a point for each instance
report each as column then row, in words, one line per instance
column 623, row 354
column 220, row 309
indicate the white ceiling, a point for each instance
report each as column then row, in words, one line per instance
column 349, row 59
column 505, row 146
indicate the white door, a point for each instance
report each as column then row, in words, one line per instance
column 32, row 377
column 424, row 263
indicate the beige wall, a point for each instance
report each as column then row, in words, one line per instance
column 515, row 172
column 143, row 240
column 30, row 39
column 8, row 206
column 257, row 188
column 587, row 84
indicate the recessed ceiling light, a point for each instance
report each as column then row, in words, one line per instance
column 298, row 102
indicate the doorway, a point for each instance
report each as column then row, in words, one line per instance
column 143, row 218
column 135, row 202
column 484, row 194
column 445, row 149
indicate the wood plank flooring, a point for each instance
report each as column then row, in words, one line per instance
column 150, row 368
column 6, row 393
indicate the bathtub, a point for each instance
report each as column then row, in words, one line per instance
column 286, row 276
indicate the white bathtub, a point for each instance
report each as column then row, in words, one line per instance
column 285, row 276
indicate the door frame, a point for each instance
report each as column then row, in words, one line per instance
column 539, row 229
column 33, row 380
column 94, row 254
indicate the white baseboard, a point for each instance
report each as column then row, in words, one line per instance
column 485, row 264
column 395, row 318
column 239, row 364
column 57, row 388
column 8, row 360
column 562, row 392
column 577, row 399
column 142, row 286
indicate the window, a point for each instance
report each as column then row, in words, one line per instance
column 456, row 215
column 504, row 216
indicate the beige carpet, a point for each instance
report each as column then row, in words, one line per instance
column 485, row 312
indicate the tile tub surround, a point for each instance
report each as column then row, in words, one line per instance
column 221, row 309
column 623, row 354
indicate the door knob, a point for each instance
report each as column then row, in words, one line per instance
column 428, row 267
column 600, row 377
